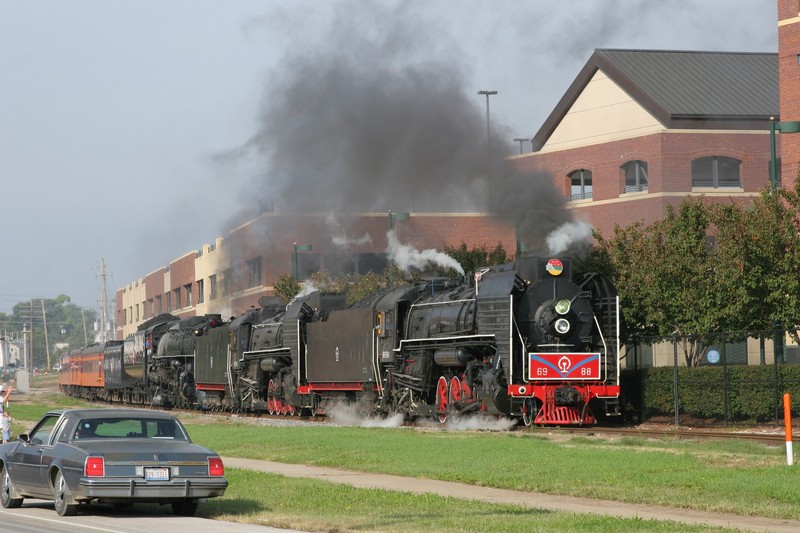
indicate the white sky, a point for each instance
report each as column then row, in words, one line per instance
column 113, row 113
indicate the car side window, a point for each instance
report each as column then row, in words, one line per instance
column 59, row 432
column 41, row 434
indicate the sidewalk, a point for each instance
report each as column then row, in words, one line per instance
column 527, row 499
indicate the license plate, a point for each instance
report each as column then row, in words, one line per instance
column 156, row 474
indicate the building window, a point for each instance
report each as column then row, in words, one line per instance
column 635, row 176
column 158, row 309
column 188, row 290
column 177, row 302
column 227, row 276
column 716, row 172
column 200, row 295
column 212, row 287
column 152, row 307
column 581, row 181
column 169, row 302
column 254, row 272
column 137, row 312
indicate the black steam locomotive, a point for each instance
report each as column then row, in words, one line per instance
column 528, row 340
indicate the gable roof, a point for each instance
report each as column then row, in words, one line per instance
column 686, row 90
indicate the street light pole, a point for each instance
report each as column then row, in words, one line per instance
column 294, row 262
column 488, row 134
column 520, row 140
column 783, row 127
column 298, row 248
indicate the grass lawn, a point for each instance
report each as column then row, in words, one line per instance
column 735, row 477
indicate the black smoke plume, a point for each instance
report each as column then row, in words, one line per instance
column 377, row 113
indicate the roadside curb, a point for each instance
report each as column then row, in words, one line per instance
column 527, row 499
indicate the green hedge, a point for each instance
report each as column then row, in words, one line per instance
column 753, row 394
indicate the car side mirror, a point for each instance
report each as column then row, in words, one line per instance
column 24, row 438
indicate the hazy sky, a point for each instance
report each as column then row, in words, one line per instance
column 135, row 131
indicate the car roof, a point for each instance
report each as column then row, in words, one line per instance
column 113, row 413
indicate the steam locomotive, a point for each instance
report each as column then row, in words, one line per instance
column 530, row 340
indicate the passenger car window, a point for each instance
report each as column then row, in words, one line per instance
column 41, row 434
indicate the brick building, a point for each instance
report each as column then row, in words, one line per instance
column 789, row 65
column 639, row 129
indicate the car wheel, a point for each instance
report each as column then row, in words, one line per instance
column 61, row 497
column 186, row 508
column 6, row 489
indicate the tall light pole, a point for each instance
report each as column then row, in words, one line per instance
column 520, row 140
column 488, row 133
column 298, row 248
column 783, row 127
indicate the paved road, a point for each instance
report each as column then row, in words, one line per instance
column 38, row 516
column 527, row 499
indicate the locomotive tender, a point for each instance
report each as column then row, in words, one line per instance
column 528, row 340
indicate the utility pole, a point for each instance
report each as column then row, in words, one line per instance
column 46, row 341
column 85, row 335
column 489, row 187
column 103, row 302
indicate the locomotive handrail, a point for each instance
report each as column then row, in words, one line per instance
column 171, row 356
column 440, row 302
column 603, row 366
column 487, row 338
column 266, row 351
column 376, row 362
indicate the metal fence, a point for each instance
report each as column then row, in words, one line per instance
column 714, row 378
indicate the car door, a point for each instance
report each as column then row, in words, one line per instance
column 26, row 461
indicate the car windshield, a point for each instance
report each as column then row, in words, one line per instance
column 124, row 427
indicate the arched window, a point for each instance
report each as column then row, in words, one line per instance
column 716, row 171
column 635, row 176
column 581, row 181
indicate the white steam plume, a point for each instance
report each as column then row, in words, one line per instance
column 344, row 240
column 568, row 234
column 306, row 288
column 405, row 256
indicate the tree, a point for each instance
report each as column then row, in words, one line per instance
column 707, row 269
column 477, row 257
column 68, row 327
column 667, row 279
column 286, row 288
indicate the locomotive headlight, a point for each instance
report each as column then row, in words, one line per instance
column 562, row 326
column 562, row 307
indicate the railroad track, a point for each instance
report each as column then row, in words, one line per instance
column 772, row 436
column 683, row 433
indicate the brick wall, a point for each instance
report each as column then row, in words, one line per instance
column 788, row 52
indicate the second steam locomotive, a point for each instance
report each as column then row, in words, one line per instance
column 530, row 340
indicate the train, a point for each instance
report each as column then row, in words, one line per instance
column 530, row 340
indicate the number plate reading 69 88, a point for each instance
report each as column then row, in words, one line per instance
column 561, row 366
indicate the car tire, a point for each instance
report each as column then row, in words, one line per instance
column 61, row 497
column 185, row 508
column 6, row 489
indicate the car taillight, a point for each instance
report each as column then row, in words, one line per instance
column 94, row 467
column 215, row 467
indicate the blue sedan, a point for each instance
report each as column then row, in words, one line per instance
column 115, row 456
